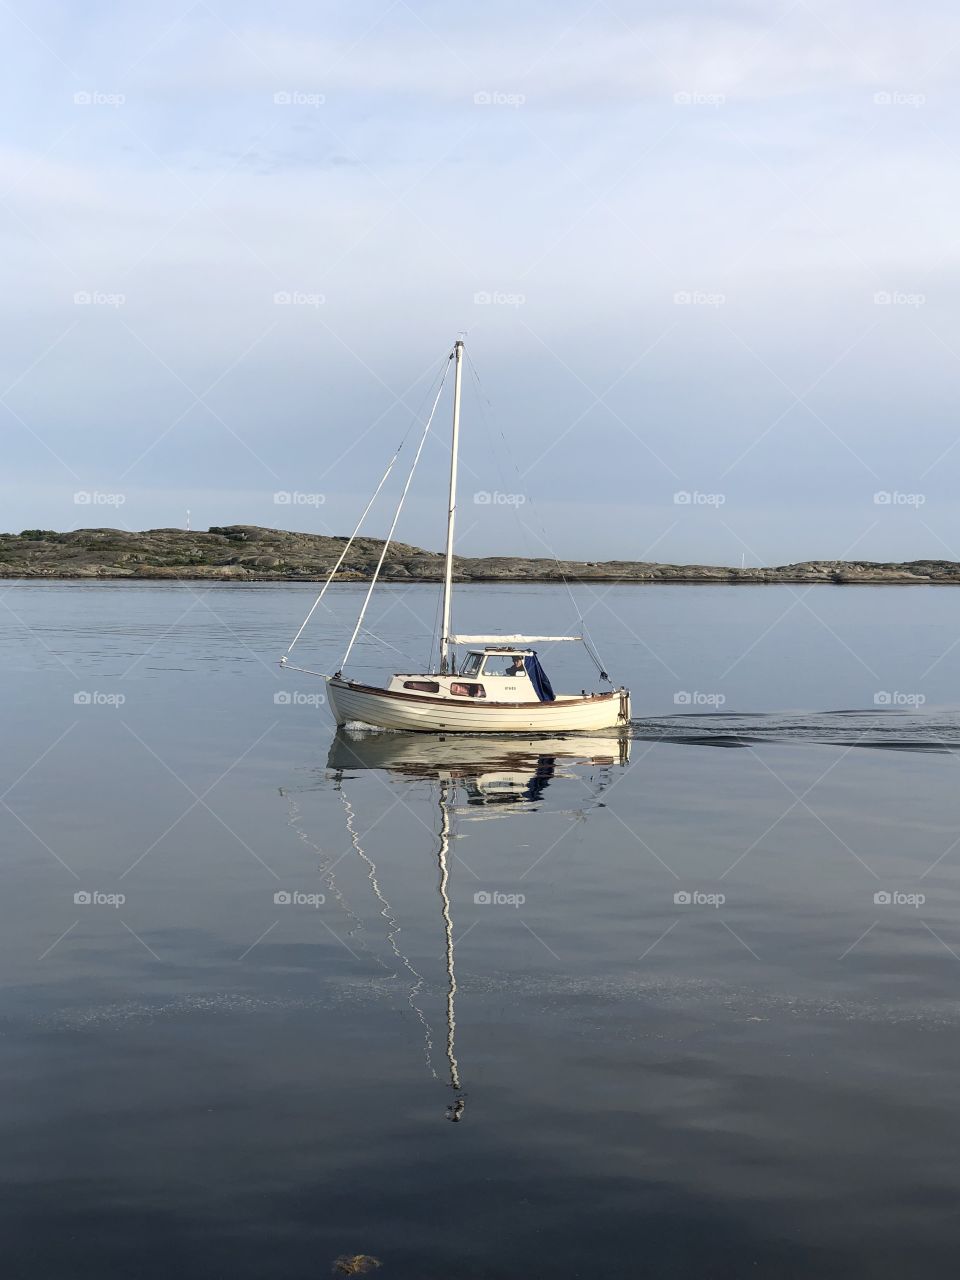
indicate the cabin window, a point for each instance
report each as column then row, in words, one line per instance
column 461, row 690
column 505, row 664
column 471, row 664
column 422, row 686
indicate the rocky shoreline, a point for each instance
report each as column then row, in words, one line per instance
column 250, row 553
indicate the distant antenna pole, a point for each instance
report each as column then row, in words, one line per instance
column 743, row 559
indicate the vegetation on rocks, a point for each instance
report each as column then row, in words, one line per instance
column 251, row 553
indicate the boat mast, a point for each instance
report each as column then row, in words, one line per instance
column 451, row 512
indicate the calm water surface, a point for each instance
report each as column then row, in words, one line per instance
column 492, row 1008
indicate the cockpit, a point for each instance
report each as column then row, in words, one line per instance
column 497, row 662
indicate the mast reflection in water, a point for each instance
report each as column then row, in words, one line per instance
column 495, row 777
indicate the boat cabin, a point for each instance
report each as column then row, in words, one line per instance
column 495, row 673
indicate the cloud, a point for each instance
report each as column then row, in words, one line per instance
column 590, row 61
column 776, row 181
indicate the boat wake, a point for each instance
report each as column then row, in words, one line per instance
column 877, row 728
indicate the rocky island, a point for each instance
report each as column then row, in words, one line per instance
column 250, row 553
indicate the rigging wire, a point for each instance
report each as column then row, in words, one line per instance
column 396, row 517
column 342, row 557
column 333, row 572
column 388, row 914
column 588, row 644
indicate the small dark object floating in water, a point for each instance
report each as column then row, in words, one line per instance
column 355, row 1264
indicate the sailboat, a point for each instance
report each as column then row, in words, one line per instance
column 497, row 686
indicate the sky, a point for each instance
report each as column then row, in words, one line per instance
column 704, row 256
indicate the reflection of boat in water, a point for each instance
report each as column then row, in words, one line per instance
column 502, row 775
column 456, row 1108
column 488, row 770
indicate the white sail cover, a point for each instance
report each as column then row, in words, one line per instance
column 506, row 640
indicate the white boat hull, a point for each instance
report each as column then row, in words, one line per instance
column 353, row 703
